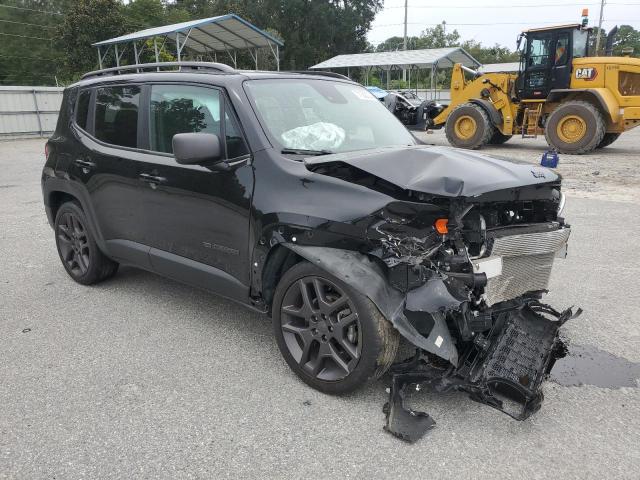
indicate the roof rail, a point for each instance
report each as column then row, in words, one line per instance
column 179, row 66
column 321, row 73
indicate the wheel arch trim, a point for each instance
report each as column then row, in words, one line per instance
column 494, row 114
column 602, row 97
column 367, row 278
column 51, row 186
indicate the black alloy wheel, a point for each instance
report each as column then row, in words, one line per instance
column 333, row 337
column 321, row 328
column 79, row 253
column 73, row 244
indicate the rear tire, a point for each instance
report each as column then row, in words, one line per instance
column 468, row 126
column 334, row 338
column 608, row 139
column 575, row 127
column 78, row 251
column 499, row 138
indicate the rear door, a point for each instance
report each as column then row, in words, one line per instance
column 106, row 162
column 195, row 217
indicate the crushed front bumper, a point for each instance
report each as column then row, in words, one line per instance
column 504, row 370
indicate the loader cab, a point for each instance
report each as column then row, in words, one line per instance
column 546, row 55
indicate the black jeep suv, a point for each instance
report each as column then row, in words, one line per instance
column 301, row 196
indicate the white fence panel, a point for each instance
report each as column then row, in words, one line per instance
column 29, row 111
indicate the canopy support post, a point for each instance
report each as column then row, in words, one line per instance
column 99, row 59
column 436, row 95
column 135, row 52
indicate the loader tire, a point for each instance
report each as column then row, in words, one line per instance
column 468, row 126
column 499, row 138
column 608, row 139
column 575, row 127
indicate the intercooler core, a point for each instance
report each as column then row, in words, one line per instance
column 527, row 260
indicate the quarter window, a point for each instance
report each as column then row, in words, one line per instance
column 82, row 109
column 117, row 115
column 580, row 43
column 236, row 146
column 181, row 109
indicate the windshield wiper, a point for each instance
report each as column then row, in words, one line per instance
column 302, row 151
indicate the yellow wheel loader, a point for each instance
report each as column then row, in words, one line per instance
column 579, row 103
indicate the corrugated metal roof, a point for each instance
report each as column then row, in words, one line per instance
column 215, row 34
column 500, row 67
column 445, row 57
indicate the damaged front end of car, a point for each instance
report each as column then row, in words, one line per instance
column 459, row 268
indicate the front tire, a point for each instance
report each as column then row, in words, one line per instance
column 468, row 126
column 78, row 251
column 332, row 337
column 575, row 128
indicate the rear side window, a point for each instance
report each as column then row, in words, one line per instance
column 629, row 83
column 181, row 109
column 82, row 109
column 117, row 115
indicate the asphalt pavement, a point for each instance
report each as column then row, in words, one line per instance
column 142, row 377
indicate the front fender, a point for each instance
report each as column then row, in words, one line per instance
column 367, row 278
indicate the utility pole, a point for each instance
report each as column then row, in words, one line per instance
column 406, row 8
column 602, row 3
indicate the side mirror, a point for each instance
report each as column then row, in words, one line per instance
column 197, row 148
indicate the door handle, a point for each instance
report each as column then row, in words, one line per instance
column 148, row 178
column 85, row 163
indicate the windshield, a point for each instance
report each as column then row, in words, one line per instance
column 320, row 115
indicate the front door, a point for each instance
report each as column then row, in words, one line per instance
column 547, row 63
column 195, row 217
column 538, row 63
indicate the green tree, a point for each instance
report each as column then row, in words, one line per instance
column 627, row 37
column 27, row 30
column 87, row 22
column 495, row 54
column 142, row 14
column 312, row 30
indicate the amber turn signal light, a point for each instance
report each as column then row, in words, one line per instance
column 441, row 226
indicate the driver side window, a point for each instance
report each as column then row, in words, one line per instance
column 191, row 109
column 181, row 109
column 562, row 47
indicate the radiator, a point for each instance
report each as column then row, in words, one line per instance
column 527, row 260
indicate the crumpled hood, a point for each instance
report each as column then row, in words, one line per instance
column 441, row 171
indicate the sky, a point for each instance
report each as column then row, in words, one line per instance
column 496, row 21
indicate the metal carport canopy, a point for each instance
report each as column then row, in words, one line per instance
column 225, row 33
column 426, row 58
